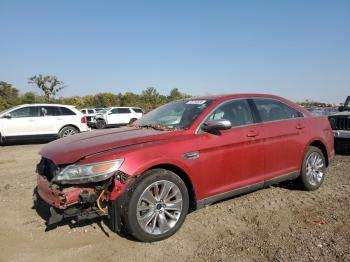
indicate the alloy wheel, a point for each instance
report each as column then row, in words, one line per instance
column 159, row 207
column 315, row 168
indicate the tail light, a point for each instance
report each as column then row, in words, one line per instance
column 83, row 120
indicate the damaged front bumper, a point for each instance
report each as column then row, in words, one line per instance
column 86, row 201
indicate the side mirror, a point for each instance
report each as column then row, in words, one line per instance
column 109, row 113
column 213, row 126
column 341, row 108
column 7, row 116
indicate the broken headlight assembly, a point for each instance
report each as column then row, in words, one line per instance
column 95, row 172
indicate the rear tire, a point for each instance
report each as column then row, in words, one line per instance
column 100, row 124
column 68, row 131
column 313, row 169
column 156, row 206
column 132, row 120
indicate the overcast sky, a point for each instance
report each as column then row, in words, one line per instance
column 296, row 49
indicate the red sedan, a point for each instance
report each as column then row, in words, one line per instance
column 180, row 157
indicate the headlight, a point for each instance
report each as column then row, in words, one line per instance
column 95, row 172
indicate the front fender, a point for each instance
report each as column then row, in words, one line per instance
column 136, row 169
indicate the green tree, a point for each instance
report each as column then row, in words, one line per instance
column 151, row 98
column 28, row 98
column 50, row 85
column 8, row 95
column 105, row 100
column 175, row 94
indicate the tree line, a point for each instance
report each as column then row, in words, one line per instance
column 49, row 86
column 149, row 98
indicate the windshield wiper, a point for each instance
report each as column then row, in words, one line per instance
column 157, row 127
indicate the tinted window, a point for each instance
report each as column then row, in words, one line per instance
column 49, row 111
column 137, row 110
column 91, row 111
column 123, row 110
column 64, row 111
column 29, row 111
column 83, row 111
column 272, row 110
column 114, row 111
column 237, row 112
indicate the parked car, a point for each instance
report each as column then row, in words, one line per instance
column 340, row 123
column 90, row 114
column 147, row 177
column 327, row 111
column 117, row 116
column 44, row 121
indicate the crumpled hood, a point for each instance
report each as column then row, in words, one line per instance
column 71, row 149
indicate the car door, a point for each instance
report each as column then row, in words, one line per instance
column 282, row 129
column 23, row 122
column 233, row 158
column 125, row 115
column 113, row 117
column 119, row 116
column 49, row 120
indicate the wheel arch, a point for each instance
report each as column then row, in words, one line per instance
column 320, row 145
column 72, row 125
column 184, row 176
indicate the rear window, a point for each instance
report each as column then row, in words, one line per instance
column 55, row 111
column 137, row 110
column 90, row 111
column 120, row 111
column 64, row 111
column 49, row 111
column 273, row 110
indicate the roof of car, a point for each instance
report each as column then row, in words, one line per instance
column 230, row 96
column 124, row 107
column 43, row 104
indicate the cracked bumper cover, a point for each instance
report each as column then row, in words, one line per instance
column 57, row 198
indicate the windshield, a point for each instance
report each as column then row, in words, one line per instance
column 7, row 110
column 175, row 115
column 347, row 103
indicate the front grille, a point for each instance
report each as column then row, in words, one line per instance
column 47, row 168
column 340, row 123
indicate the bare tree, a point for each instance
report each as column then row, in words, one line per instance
column 50, row 85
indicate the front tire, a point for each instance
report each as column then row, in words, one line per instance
column 313, row 169
column 156, row 206
column 100, row 124
column 68, row 131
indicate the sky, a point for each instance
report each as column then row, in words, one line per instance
column 297, row 49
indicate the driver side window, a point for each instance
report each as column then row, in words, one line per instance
column 237, row 112
column 29, row 111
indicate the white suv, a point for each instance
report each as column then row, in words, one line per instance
column 90, row 114
column 117, row 116
column 40, row 121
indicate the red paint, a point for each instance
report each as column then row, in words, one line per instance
column 236, row 158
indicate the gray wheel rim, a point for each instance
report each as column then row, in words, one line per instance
column 159, row 207
column 69, row 132
column 314, row 168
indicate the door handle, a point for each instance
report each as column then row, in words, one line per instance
column 252, row 133
column 300, row 126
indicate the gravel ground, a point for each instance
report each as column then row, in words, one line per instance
column 280, row 223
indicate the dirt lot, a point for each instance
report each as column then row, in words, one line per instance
column 279, row 223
